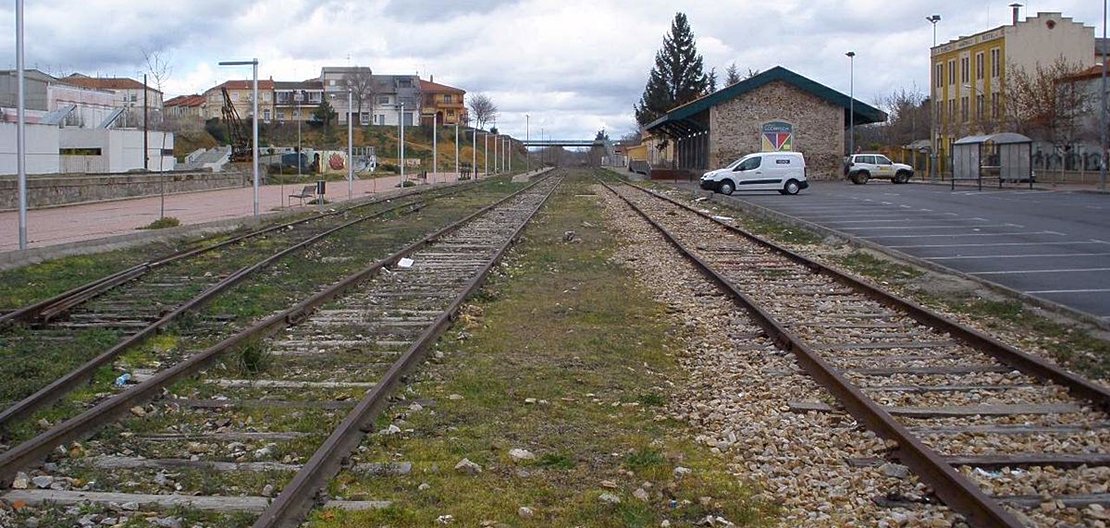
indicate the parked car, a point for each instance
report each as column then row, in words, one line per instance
column 784, row 172
column 862, row 167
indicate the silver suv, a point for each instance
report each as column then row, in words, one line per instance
column 862, row 167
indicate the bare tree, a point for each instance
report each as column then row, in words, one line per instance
column 361, row 84
column 1041, row 106
column 482, row 109
column 159, row 67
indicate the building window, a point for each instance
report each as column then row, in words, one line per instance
column 996, row 62
column 364, row 118
column 979, row 65
column 266, row 115
column 450, row 113
column 994, row 105
column 951, row 72
column 979, row 107
column 938, row 75
column 965, row 69
column 383, row 99
column 938, row 111
column 964, row 102
column 448, row 99
column 235, row 97
column 951, row 110
column 281, row 114
column 381, row 119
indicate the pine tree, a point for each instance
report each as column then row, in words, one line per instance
column 712, row 80
column 677, row 77
column 732, row 75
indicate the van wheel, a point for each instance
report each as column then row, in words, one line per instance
column 860, row 178
column 791, row 187
column 902, row 177
column 726, row 187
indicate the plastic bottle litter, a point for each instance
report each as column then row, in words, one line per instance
column 123, row 379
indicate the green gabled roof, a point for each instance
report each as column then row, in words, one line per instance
column 864, row 112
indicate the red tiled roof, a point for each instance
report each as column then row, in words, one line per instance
column 428, row 86
column 105, row 83
column 263, row 84
column 1089, row 73
column 185, row 100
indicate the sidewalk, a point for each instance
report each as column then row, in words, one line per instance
column 83, row 222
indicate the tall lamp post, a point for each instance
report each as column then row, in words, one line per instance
column 298, row 97
column 485, row 153
column 474, row 153
column 1102, row 113
column 932, row 112
column 527, row 158
column 401, row 141
column 456, row 148
column 254, row 123
column 435, row 145
column 851, row 102
column 21, row 128
column 350, row 147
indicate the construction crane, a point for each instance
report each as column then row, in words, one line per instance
column 236, row 131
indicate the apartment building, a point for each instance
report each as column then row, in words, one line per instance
column 296, row 101
column 968, row 73
column 241, row 94
column 185, row 106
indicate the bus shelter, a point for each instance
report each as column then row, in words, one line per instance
column 1006, row 156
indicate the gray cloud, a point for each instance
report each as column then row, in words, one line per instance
column 572, row 65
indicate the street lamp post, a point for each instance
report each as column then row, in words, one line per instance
column 851, row 102
column 456, row 148
column 527, row 158
column 435, row 148
column 21, row 127
column 1102, row 113
column 932, row 111
column 350, row 147
column 485, row 154
column 474, row 154
column 254, row 122
column 298, row 97
column 496, row 137
column 401, row 120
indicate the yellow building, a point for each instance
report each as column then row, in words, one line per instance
column 969, row 73
column 441, row 102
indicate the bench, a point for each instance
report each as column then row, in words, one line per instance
column 309, row 192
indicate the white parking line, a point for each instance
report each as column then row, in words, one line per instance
column 967, row 234
column 999, row 244
column 975, row 227
column 1020, row 272
column 1043, row 292
column 898, row 219
column 1033, row 255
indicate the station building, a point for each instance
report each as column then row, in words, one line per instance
column 777, row 110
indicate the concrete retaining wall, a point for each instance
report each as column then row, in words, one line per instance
column 58, row 189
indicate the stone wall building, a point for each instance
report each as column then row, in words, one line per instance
column 775, row 110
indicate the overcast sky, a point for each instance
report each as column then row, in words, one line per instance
column 575, row 66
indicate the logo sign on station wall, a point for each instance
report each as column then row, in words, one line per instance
column 777, row 136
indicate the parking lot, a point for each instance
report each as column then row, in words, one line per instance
column 1054, row 245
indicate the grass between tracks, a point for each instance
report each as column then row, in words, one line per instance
column 564, row 355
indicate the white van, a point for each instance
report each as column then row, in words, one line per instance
column 784, row 172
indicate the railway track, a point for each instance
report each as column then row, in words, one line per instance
column 251, row 429
column 90, row 327
column 996, row 433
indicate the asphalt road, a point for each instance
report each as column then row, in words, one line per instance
column 1053, row 245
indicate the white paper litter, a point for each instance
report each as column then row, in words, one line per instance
column 405, row 263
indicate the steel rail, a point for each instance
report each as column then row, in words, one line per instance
column 69, row 382
column 299, row 496
column 957, row 491
column 44, row 310
column 1026, row 363
column 34, row 449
